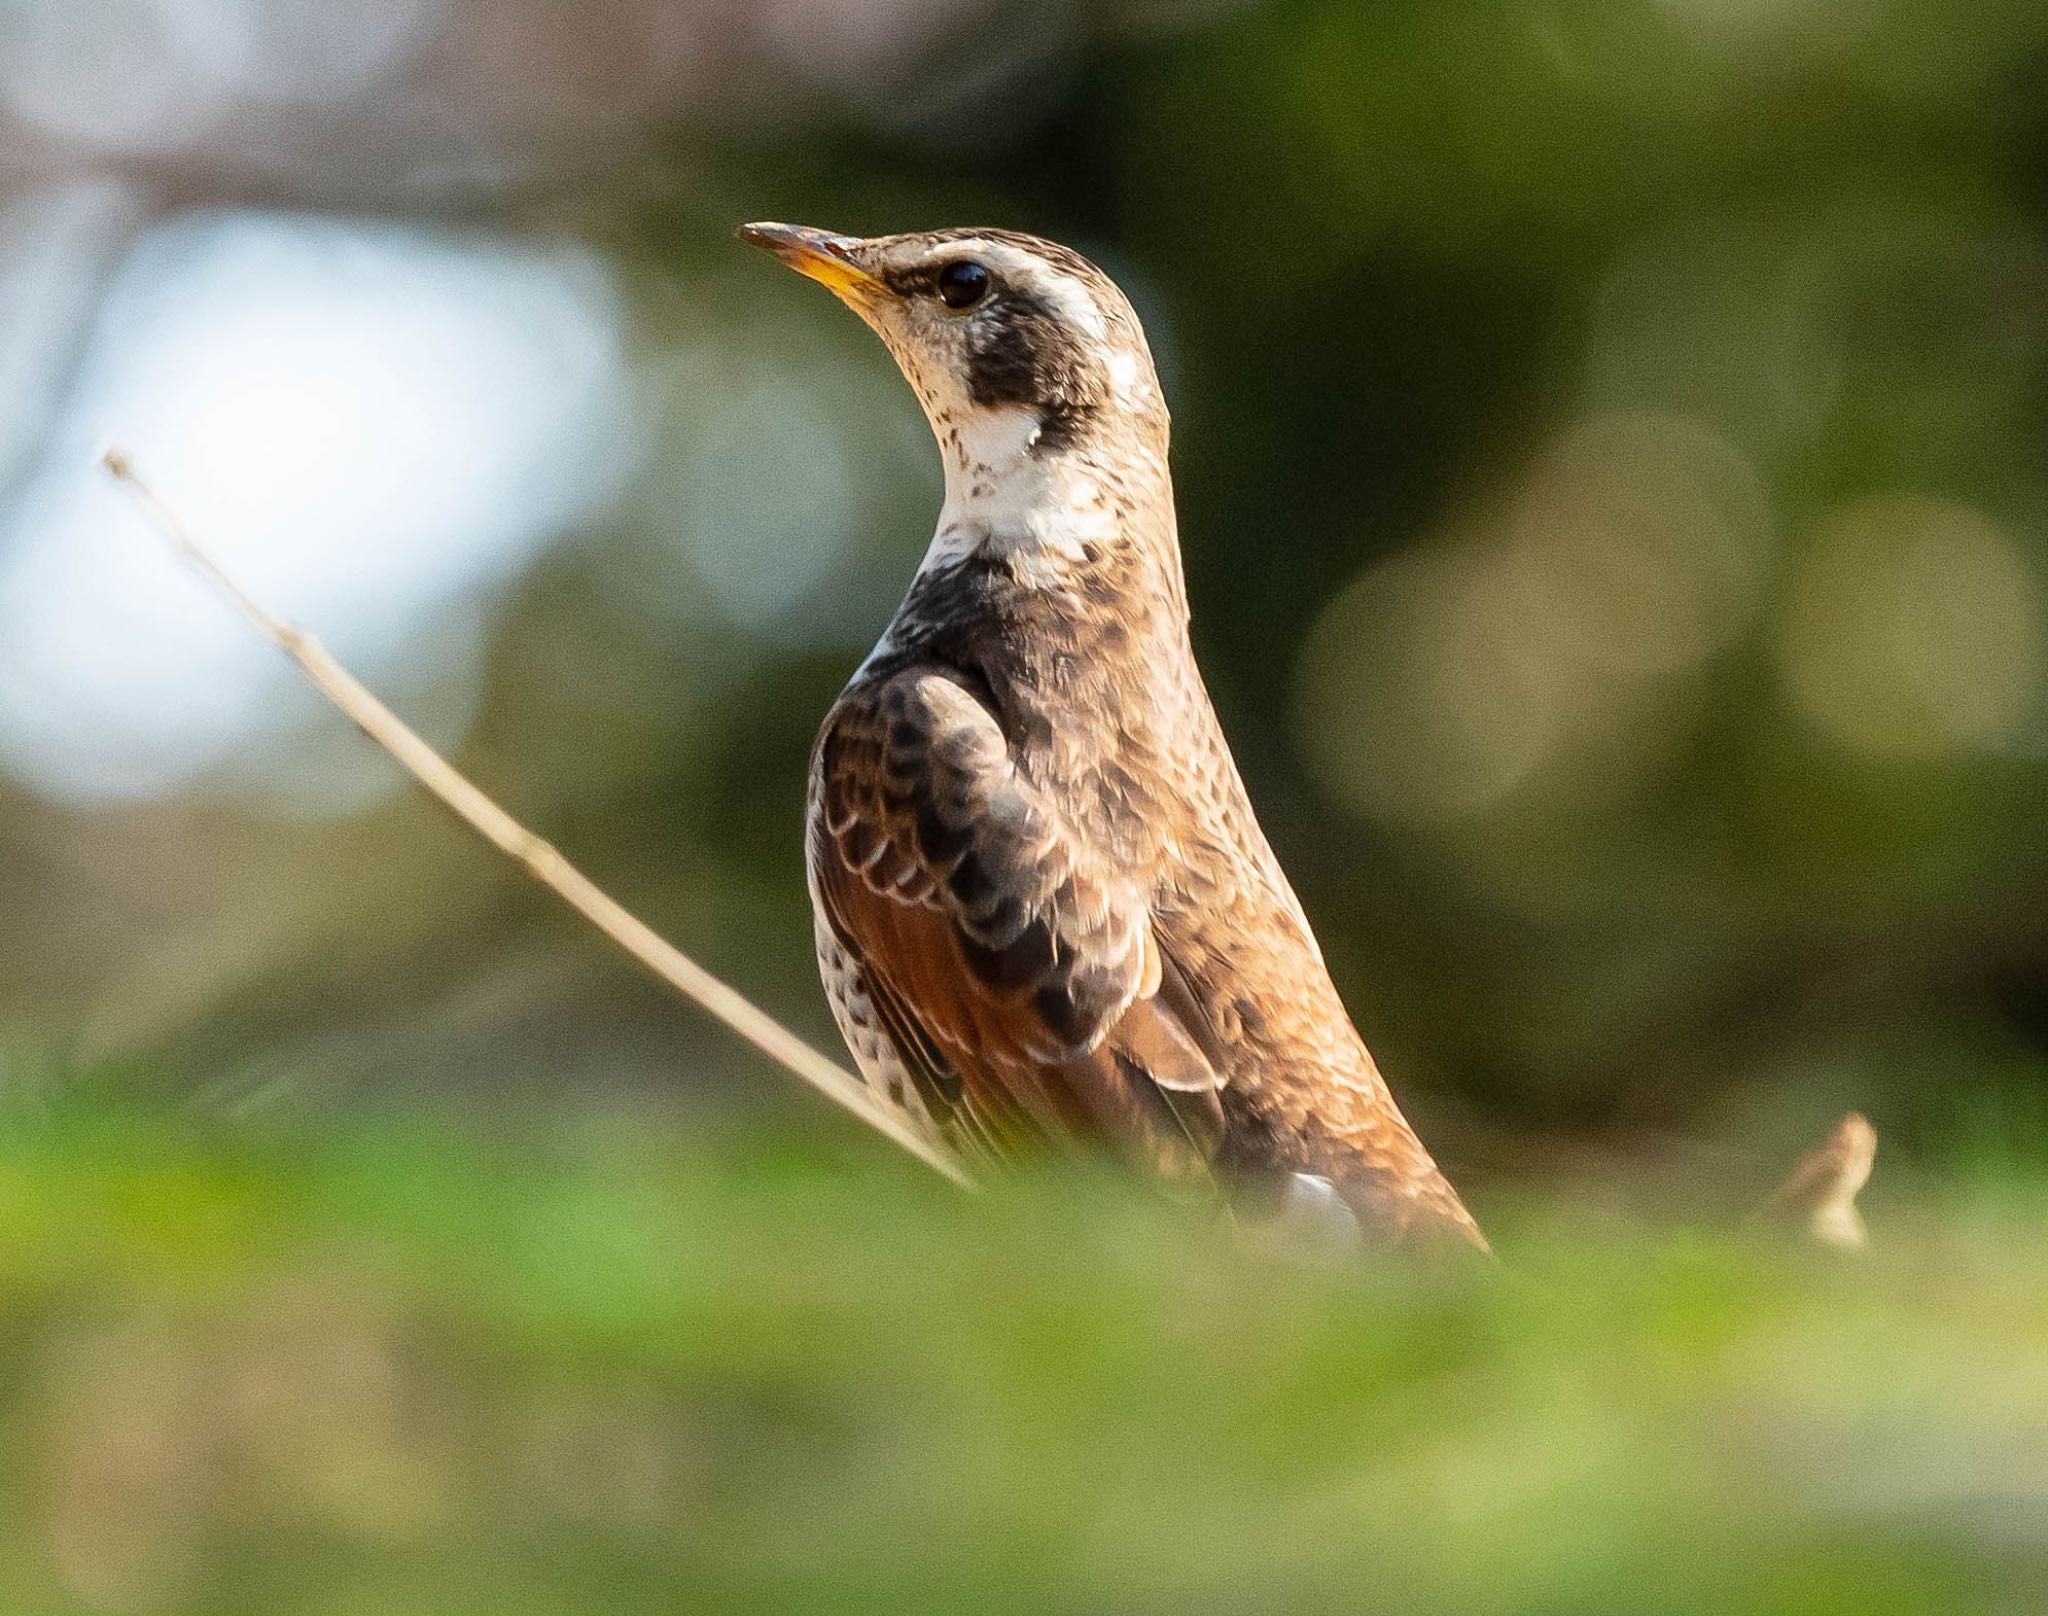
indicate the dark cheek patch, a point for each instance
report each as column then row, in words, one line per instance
column 1019, row 352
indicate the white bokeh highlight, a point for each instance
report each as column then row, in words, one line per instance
column 374, row 425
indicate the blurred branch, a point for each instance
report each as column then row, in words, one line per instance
column 538, row 858
column 1818, row 1198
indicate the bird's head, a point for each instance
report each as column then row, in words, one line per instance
column 1018, row 349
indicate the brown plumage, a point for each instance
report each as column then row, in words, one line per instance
column 1045, row 910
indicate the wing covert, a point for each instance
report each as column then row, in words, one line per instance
column 1018, row 972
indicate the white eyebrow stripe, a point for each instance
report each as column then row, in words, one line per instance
column 1068, row 293
column 1076, row 304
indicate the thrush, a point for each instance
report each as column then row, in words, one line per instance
column 1046, row 915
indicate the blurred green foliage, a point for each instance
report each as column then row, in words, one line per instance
column 396, row 1366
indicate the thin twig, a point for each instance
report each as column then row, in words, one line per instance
column 539, row 859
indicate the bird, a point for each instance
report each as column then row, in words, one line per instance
column 1047, row 919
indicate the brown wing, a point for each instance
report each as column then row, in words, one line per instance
column 1016, row 972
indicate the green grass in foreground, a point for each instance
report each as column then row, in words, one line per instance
column 389, row 1368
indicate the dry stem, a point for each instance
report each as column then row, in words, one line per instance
column 1818, row 1199
column 535, row 856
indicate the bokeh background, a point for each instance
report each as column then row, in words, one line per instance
column 1610, row 436
column 1614, row 487
column 1612, row 442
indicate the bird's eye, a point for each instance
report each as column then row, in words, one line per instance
column 962, row 284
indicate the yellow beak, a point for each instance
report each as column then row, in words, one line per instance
column 817, row 253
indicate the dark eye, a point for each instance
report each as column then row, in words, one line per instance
column 962, row 284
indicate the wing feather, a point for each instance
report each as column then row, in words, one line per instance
column 1016, row 972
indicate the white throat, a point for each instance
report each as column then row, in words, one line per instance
column 991, row 472
column 1042, row 512
column 1002, row 496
